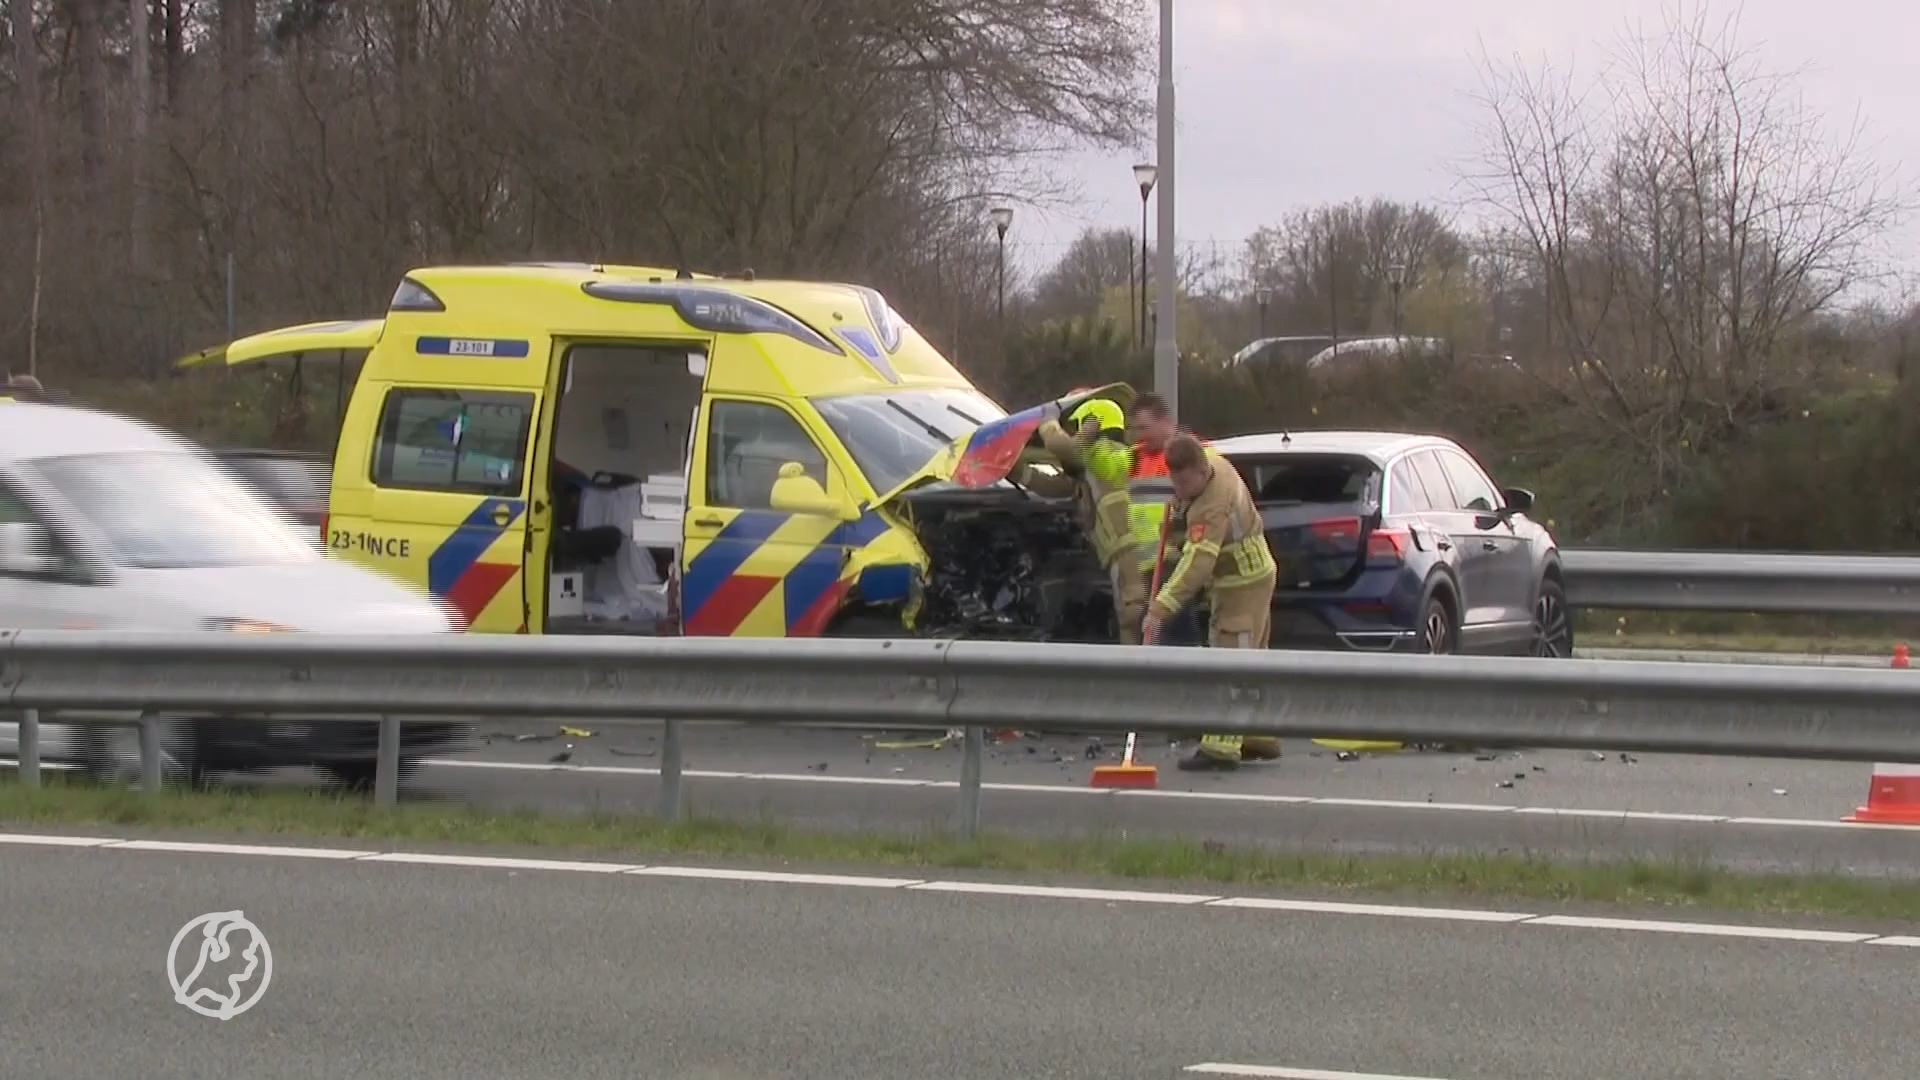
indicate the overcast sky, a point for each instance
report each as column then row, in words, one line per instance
column 1284, row 103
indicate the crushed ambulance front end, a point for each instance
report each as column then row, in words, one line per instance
column 1001, row 553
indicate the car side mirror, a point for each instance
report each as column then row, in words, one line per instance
column 1519, row 500
column 797, row 493
column 26, row 550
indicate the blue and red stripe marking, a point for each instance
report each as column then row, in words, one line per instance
column 454, row 570
column 994, row 448
column 717, row 597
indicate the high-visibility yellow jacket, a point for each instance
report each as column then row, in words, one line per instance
column 1102, row 463
column 1226, row 543
column 1148, row 492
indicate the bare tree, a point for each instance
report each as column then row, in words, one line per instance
column 1689, row 219
column 26, row 67
column 1329, row 266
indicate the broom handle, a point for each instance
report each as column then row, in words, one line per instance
column 1159, row 559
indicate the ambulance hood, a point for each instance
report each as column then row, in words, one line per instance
column 987, row 454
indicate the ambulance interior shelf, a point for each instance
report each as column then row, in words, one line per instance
column 621, row 432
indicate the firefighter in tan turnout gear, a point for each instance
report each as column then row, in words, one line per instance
column 1099, row 461
column 1226, row 557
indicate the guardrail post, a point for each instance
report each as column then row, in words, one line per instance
column 386, row 763
column 152, row 771
column 30, row 748
column 671, row 753
column 973, row 748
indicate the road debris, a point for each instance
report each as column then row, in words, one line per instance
column 915, row 744
column 621, row 751
column 562, row 757
column 576, row 733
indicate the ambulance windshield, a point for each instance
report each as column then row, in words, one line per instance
column 893, row 436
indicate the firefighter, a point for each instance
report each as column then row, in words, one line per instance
column 1150, row 423
column 1100, row 461
column 1225, row 556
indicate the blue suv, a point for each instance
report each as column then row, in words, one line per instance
column 1388, row 542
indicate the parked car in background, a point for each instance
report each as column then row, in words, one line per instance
column 107, row 523
column 296, row 483
column 1388, row 541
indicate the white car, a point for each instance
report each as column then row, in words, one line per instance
column 109, row 524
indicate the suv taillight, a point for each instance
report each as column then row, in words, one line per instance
column 1388, row 547
column 1336, row 530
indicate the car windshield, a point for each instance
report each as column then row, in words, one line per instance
column 173, row 509
column 893, row 436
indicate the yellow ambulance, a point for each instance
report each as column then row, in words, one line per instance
column 576, row 448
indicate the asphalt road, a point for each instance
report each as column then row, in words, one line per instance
column 429, row 972
column 1754, row 815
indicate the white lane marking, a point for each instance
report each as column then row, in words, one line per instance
column 1630, row 815
column 486, row 862
column 1771, row 933
column 713, row 873
column 281, row 851
column 39, row 840
column 1391, row 911
column 1829, row 937
column 1214, row 796
column 1058, row 892
column 1228, row 1068
column 1221, row 796
column 1410, row 804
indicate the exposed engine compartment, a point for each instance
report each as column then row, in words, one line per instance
column 1009, row 565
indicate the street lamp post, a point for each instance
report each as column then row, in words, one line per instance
column 1263, row 296
column 1002, row 217
column 1396, row 280
column 1144, row 175
column 1166, row 353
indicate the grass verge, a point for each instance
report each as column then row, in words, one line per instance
column 319, row 815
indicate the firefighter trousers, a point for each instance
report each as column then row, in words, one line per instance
column 1183, row 630
column 1129, row 598
column 1241, row 618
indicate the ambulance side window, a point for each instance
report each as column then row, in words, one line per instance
column 747, row 442
column 468, row 441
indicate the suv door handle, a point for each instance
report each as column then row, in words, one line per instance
column 709, row 522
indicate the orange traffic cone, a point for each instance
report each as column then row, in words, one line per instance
column 1893, row 797
column 1900, row 657
column 1126, row 774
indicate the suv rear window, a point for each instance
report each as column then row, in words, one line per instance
column 1317, row 510
column 1310, row 478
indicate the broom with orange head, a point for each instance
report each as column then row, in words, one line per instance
column 1129, row 773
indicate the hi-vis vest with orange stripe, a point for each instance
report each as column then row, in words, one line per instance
column 1149, row 490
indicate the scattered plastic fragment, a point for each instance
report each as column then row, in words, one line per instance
column 619, row 751
column 1504, row 783
column 1346, row 755
column 534, row 738
column 576, row 733
column 562, row 757
column 920, row 744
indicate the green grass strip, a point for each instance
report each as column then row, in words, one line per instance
column 295, row 814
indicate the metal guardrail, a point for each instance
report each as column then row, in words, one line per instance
column 1736, row 581
column 1650, row 706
